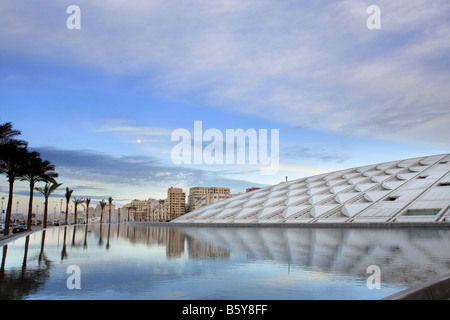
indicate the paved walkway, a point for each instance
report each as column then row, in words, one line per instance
column 12, row 236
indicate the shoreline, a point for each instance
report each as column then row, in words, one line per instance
column 362, row 225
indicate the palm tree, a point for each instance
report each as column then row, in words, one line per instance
column 88, row 201
column 76, row 202
column 47, row 191
column 110, row 200
column 12, row 159
column 12, row 156
column 102, row 205
column 7, row 134
column 36, row 170
column 68, row 195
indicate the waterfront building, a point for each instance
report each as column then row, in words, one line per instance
column 210, row 198
column 406, row 191
column 160, row 213
column 177, row 202
column 196, row 193
column 140, row 210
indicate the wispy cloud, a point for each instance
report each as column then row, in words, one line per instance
column 309, row 63
column 97, row 169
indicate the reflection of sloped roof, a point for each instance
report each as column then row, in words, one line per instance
column 415, row 255
column 412, row 190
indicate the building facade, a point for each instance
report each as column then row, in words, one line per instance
column 177, row 202
column 196, row 193
column 211, row 198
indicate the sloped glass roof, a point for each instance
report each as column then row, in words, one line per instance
column 364, row 194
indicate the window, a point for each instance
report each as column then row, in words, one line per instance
column 392, row 198
column 422, row 177
column 444, row 184
column 423, row 212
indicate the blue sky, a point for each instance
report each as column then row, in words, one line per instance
column 101, row 102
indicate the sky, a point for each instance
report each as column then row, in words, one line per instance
column 101, row 102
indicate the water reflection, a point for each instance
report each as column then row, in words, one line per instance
column 157, row 260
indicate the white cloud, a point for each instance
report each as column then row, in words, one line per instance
column 304, row 63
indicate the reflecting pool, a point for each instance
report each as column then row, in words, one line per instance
column 161, row 262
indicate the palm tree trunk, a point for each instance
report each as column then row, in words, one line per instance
column 30, row 207
column 67, row 211
column 9, row 208
column 45, row 213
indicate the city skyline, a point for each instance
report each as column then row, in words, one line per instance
column 102, row 102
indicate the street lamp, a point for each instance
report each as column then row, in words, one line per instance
column 60, row 211
column 3, row 199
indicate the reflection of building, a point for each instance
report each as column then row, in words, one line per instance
column 205, row 250
column 175, row 243
column 196, row 194
column 177, row 202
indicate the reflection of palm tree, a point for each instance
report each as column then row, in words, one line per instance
column 64, row 249
column 73, row 235
column 110, row 200
column 88, row 201
column 19, row 283
column 25, row 255
column 2, row 267
column 100, row 238
column 107, row 241
column 85, row 236
column 41, row 253
column 67, row 195
column 102, row 206
column 47, row 191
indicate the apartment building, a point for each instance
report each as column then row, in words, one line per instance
column 140, row 209
column 160, row 213
column 196, row 193
column 211, row 198
column 177, row 202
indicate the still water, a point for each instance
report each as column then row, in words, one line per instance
column 152, row 262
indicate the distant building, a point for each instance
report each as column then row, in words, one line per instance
column 196, row 193
column 177, row 202
column 211, row 198
column 160, row 212
column 140, row 210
